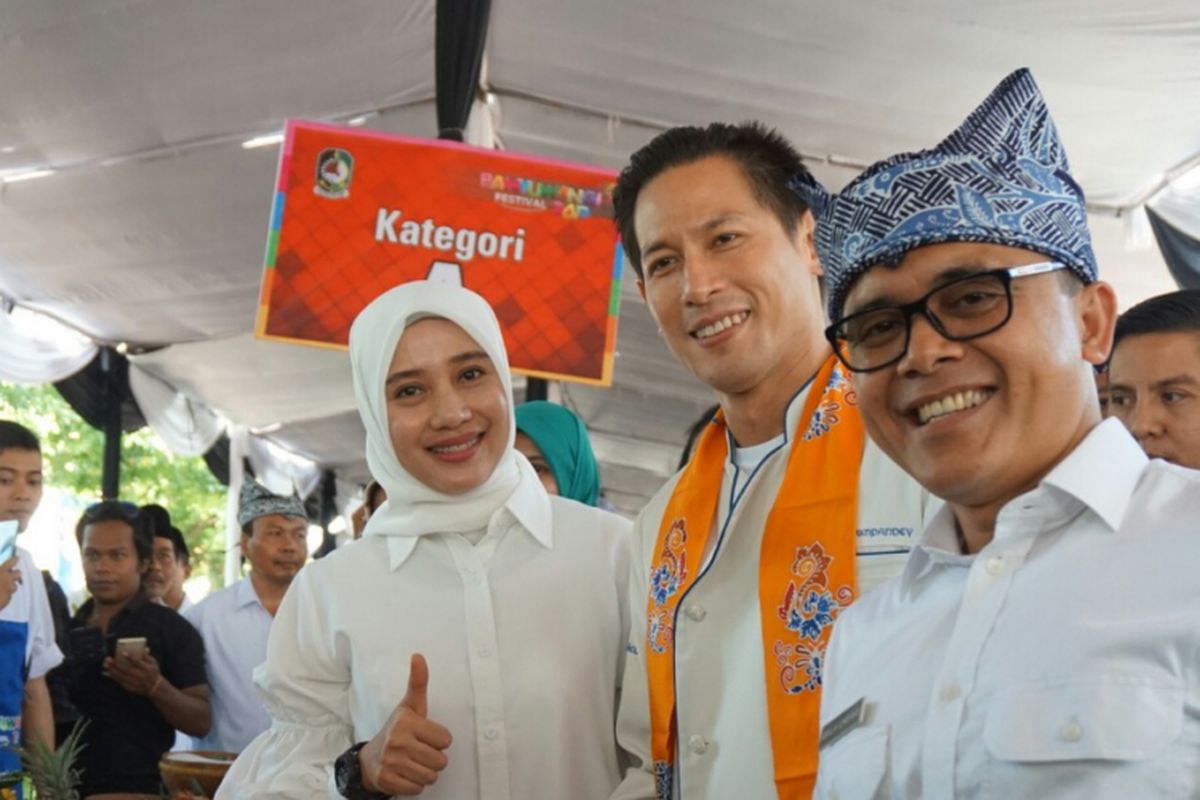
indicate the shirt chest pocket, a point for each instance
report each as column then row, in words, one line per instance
column 855, row 767
column 1104, row 737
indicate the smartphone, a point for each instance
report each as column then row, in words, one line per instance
column 132, row 647
column 8, row 539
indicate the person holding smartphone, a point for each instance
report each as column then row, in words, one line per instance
column 27, row 647
column 137, row 667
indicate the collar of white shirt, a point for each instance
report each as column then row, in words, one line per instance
column 245, row 595
column 528, row 506
column 791, row 420
column 1101, row 473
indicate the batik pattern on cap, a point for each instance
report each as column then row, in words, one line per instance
column 256, row 500
column 1001, row 178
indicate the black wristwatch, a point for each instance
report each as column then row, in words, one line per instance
column 347, row 774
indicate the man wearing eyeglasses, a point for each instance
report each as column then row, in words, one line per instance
column 170, row 563
column 1042, row 638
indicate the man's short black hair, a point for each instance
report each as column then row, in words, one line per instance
column 14, row 436
column 768, row 160
column 159, row 520
column 120, row 511
column 1175, row 312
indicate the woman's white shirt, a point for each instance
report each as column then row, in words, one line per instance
column 524, row 634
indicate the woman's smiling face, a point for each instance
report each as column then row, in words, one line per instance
column 447, row 410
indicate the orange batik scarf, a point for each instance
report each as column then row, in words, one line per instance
column 806, row 575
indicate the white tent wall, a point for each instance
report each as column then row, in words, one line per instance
column 152, row 228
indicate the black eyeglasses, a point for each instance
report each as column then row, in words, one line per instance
column 965, row 308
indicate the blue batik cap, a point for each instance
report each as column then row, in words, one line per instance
column 256, row 500
column 1002, row 178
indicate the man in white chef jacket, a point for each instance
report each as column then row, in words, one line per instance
column 784, row 513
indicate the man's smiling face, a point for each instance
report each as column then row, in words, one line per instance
column 985, row 419
column 734, row 293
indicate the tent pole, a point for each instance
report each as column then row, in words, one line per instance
column 536, row 389
column 111, row 474
column 328, row 510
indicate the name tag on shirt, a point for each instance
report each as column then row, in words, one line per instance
column 853, row 717
column 881, row 554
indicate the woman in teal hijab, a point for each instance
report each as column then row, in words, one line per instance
column 556, row 442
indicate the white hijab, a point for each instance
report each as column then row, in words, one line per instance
column 412, row 508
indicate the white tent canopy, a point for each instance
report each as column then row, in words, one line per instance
column 152, row 228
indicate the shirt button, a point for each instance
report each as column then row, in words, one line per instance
column 995, row 565
column 951, row 692
column 698, row 745
column 1071, row 732
column 485, row 652
column 490, row 734
column 696, row 613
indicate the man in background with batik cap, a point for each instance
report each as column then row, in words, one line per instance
column 1041, row 640
column 236, row 621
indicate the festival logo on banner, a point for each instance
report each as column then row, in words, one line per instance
column 335, row 167
column 358, row 212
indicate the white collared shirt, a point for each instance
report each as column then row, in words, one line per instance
column 1059, row 662
column 523, row 633
column 721, row 680
column 29, row 604
column 234, row 625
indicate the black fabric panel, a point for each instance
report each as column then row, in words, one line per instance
column 84, row 392
column 217, row 459
column 1181, row 252
column 536, row 389
column 461, row 33
column 326, row 511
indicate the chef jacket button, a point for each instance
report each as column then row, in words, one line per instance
column 1071, row 732
column 698, row 745
column 696, row 613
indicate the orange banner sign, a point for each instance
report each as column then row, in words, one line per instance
column 358, row 212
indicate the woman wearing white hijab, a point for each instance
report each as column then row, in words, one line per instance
column 470, row 644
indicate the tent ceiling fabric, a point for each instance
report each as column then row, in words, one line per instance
column 865, row 80
column 153, row 228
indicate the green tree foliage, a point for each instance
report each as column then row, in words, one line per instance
column 73, row 452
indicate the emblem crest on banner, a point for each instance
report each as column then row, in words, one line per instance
column 335, row 168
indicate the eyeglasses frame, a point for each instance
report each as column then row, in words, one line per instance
column 920, row 306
